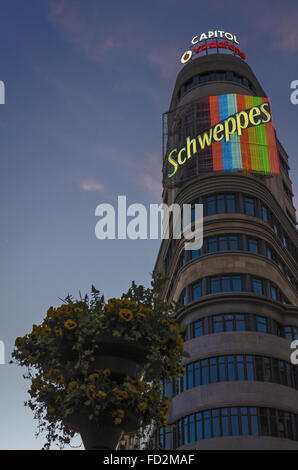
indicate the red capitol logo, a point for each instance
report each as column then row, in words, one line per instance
column 217, row 42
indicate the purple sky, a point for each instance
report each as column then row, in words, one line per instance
column 86, row 85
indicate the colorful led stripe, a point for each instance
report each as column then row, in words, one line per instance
column 254, row 150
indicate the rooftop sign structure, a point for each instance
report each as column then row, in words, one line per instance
column 219, row 40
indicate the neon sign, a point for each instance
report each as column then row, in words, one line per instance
column 240, row 137
column 221, row 40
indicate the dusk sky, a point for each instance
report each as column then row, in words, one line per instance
column 86, row 85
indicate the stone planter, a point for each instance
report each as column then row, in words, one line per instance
column 101, row 433
column 122, row 357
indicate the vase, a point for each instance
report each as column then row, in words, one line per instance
column 101, row 433
column 122, row 357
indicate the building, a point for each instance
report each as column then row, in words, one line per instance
column 239, row 291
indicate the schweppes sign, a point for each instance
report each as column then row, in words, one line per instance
column 240, row 137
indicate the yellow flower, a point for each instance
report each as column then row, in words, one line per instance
column 70, row 324
column 144, row 385
column 46, row 330
column 51, row 409
column 51, row 312
column 93, row 377
column 120, row 394
column 73, row 385
column 120, row 413
column 19, row 342
column 90, row 392
column 79, row 310
column 125, row 314
column 117, row 420
column 68, row 308
column 59, row 379
column 180, row 342
column 101, row 394
column 142, row 405
column 58, row 399
column 59, row 332
column 48, row 374
column 107, row 372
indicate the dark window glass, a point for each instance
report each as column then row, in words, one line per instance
column 273, row 293
column 212, row 245
column 223, row 243
column 235, row 421
column 268, row 252
column 215, row 285
column 205, row 372
column 265, row 214
column 195, row 254
column 206, row 77
column 244, row 422
column 231, row 206
column 234, row 243
column 225, row 422
column 257, row 286
column 226, row 284
column 199, row 427
column 237, row 283
column 222, row 370
column 221, row 204
column 197, row 291
column 211, row 209
column 215, row 423
column 262, row 324
column 218, row 324
column 207, row 425
column 249, row 206
column 240, row 323
column 198, row 329
column 220, row 76
column 253, row 245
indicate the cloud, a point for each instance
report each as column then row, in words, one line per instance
column 273, row 23
column 165, row 57
column 91, row 184
column 97, row 34
column 150, row 176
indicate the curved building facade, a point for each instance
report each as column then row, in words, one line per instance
column 239, row 291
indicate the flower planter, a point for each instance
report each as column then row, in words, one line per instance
column 122, row 357
column 101, row 433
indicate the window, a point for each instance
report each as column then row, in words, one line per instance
column 198, row 329
column 265, row 214
column 234, row 243
column 253, row 245
column 197, row 291
column 212, row 245
column 261, row 324
column 233, row 421
column 211, row 207
column 220, row 76
column 257, row 286
column 220, row 204
column 215, row 285
column 249, row 206
column 231, row 207
column 273, row 293
column 206, row 77
column 235, row 368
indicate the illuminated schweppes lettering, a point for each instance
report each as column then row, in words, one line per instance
column 222, row 131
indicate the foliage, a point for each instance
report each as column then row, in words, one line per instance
column 61, row 355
